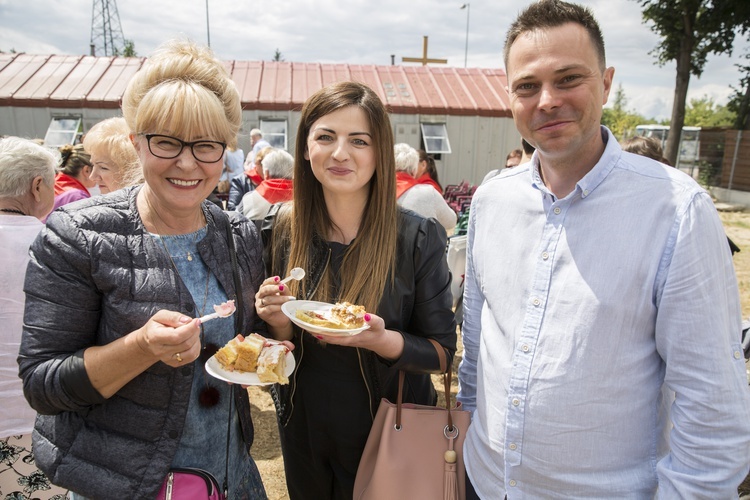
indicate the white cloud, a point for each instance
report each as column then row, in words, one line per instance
column 357, row 32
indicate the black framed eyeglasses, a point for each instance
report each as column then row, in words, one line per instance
column 168, row 147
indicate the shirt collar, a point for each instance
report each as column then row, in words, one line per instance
column 594, row 177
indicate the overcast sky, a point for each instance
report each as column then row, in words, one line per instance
column 360, row 32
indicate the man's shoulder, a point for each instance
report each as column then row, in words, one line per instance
column 652, row 171
column 507, row 178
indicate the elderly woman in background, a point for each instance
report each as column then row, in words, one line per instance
column 247, row 181
column 278, row 169
column 73, row 181
column 115, row 162
column 113, row 352
column 421, row 198
column 27, row 178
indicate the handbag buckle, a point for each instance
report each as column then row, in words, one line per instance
column 450, row 433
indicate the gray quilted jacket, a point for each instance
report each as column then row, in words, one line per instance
column 96, row 275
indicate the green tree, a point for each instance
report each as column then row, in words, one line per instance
column 129, row 49
column 618, row 119
column 704, row 112
column 740, row 101
column 690, row 31
column 277, row 56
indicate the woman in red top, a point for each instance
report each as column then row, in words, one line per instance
column 72, row 182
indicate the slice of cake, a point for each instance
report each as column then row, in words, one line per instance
column 317, row 319
column 272, row 364
column 350, row 315
column 227, row 355
column 248, row 352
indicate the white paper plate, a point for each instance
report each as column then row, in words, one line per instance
column 214, row 368
column 289, row 308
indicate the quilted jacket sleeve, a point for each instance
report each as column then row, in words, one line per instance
column 61, row 317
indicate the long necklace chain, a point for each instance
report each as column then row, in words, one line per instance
column 208, row 274
column 209, row 395
column 151, row 209
column 189, row 256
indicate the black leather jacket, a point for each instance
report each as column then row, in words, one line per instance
column 418, row 305
column 239, row 186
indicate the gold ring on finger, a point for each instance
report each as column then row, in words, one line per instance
column 178, row 357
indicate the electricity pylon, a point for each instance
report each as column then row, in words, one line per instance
column 106, row 32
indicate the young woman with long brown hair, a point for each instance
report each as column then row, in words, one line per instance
column 346, row 230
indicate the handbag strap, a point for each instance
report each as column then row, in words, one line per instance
column 445, row 370
column 239, row 320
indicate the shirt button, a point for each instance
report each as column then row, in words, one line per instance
column 545, row 255
column 536, row 302
column 512, row 482
column 189, row 307
column 737, row 355
column 513, row 446
column 173, row 434
column 525, row 348
column 557, row 210
column 585, row 192
column 515, row 402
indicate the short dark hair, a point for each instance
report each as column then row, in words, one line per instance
column 649, row 147
column 552, row 14
column 516, row 153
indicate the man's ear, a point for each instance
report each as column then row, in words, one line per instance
column 609, row 75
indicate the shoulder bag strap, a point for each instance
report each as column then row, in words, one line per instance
column 239, row 320
column 444, row 369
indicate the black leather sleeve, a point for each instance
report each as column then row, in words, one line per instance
column 429, row 312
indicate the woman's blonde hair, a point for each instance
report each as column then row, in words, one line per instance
column 183, row 90
column 369, row 260
column 111, row 138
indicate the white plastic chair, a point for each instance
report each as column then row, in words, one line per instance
column 456, row 256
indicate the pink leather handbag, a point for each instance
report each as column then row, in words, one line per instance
column 415, row 451
column 190, row 484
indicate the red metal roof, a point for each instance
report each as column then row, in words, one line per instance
column 98, row 82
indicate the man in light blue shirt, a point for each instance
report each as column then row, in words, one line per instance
column 601, row 313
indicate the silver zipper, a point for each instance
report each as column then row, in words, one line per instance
column 170, row 484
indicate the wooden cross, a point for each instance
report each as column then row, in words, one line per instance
column 424, row 59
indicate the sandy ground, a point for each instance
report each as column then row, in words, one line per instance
column 267, row 452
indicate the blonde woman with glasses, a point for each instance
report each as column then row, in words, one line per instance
column 113, row 353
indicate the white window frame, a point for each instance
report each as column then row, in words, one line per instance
column 273, row 136
column 57, row 129
column 429, row 139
